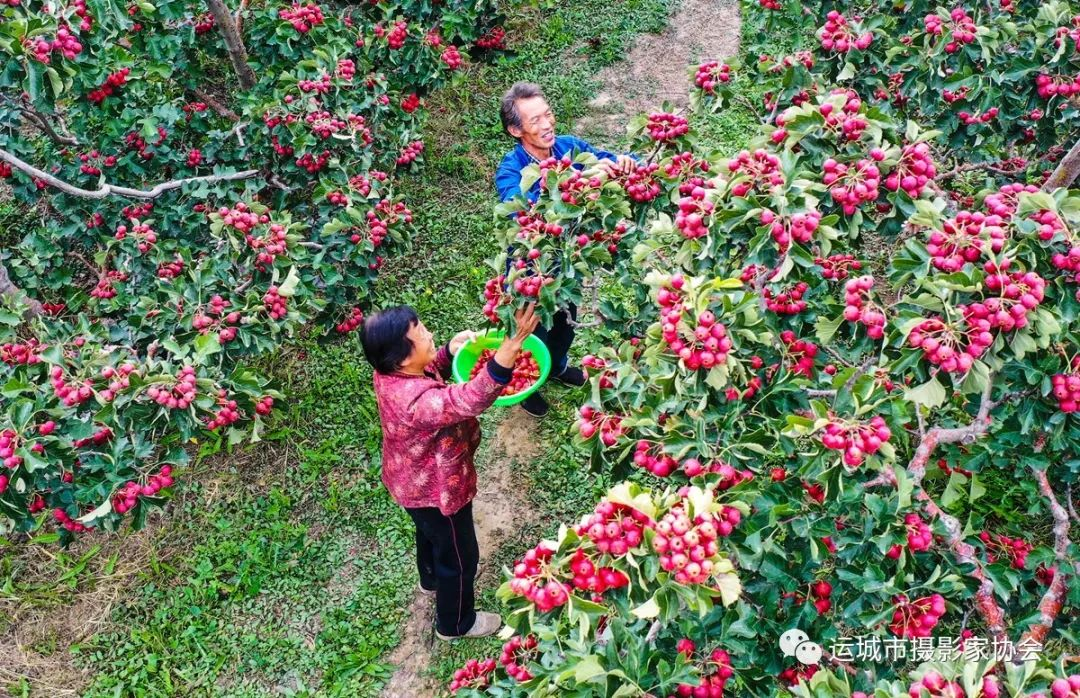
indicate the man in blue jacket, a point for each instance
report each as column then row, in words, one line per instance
column 528, row 118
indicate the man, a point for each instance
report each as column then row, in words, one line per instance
column 528, row 118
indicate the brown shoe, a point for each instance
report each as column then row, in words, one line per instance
column 485, row 624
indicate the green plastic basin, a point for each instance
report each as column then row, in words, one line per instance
column 469, row 354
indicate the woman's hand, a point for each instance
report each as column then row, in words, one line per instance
column 460, row 340
column 526, row 321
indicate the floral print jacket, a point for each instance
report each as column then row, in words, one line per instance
column 430, row 432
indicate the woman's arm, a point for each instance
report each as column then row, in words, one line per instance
column 440, row 406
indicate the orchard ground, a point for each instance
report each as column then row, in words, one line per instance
column 284, row 568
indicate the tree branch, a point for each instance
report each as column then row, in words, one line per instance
column 42, row 123
column 1066, row 171
column 234, row 43
column 214, row 104
column 9, row 289
column 1054, row 598
column 106, row 190
column 965, row 554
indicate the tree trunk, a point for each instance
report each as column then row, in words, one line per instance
column 7, row 288
column 1066, row 171
column 234, row 43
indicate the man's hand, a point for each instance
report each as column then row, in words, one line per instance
column 460, row 340
column 623, row 165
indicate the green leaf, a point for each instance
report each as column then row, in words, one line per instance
column 649, row 609
column 588, row 669
column 931, row 393
column 288, row 286
column 825, row 329
column 977, row 488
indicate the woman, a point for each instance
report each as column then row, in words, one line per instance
column 430, row 434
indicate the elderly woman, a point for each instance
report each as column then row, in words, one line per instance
column 430, row 434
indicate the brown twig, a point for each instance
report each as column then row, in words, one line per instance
column 106, row 190
column 1066, row 171
column 234, row 43
column 214, row 104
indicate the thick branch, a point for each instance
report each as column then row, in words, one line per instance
column 7, row 288
column 1066, row 171
column 106, row 190
column 965, row 554
column 934, row 437
column 234, row 43
column 1054, row 598
column 214, row 104
column 43, row 124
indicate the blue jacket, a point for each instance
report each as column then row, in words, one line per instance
column 508, row 176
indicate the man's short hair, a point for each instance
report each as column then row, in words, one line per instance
column 508, row 111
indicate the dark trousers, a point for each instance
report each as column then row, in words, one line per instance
column 558, row 338
column 446, row 556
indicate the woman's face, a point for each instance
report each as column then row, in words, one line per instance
column 423, row 351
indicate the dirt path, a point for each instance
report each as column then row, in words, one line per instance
column 654, row 71
column 497, row 511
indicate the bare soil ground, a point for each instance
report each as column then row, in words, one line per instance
column 655, row 69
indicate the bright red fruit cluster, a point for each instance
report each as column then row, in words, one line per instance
column 179, row 395
column 1066, row 388
column 851, row 185
column 145, row 235
column 475, row 674
column 615, row 528
column 800, row 354
column 112, row 83
column 652, row 458
column 494, row 297
column 666, row 127
column 1020, row 293
column 847, row 123
column 694, row 215
column 533, row 580
column 227, row 414
column 641, row 186
column 688, row 547
column 787, row 301
column 1066, row 688
column 410, row 152
column 963, row 29
column 964, row 238
column 943, row 344
column 8, row 444
column 859, row 308
column 526, row 371
column 302, row 17
column 837, row 35
column 516, row 653
column 799, row 227
column 914, row 172
column 128, row 495
column 916, row 618
column 838, row 267
column 494, row 39
column 351, row 322
column 919, row 537
column 709, row 345
column 716, row 671
column 592, row 420
column 216, row 316
column 1001, row 546
column 276, row 305
column 710, row 73
column 452, row 58
column 1050, row 85
column 589, row 577
column 762, row 168
column 856, row 441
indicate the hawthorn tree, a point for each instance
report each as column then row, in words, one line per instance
column 193, row 198
column 850, row 339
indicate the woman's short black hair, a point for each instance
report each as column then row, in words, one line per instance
column 385, row 340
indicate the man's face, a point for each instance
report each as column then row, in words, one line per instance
column 537, row 124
